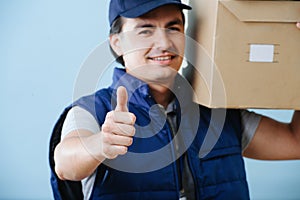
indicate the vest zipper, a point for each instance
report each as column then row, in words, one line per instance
column 191, row 170
column 176, row 161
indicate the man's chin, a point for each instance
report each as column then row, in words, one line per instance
column 155, row 74
column 166, row 80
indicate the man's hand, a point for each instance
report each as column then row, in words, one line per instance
column 298, row 25
column 118, row 128
column 79, row 154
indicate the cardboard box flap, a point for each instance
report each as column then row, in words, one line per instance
column 264, row 11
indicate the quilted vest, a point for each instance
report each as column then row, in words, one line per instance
column 210, row 139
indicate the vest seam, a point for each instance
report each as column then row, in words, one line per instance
column 229, row 181
column 141, row 191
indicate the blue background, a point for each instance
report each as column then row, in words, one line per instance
column 42, row 46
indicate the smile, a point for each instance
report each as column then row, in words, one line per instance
column 163, row 58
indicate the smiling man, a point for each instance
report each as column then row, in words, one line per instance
column 152, row 47
column 143, row 137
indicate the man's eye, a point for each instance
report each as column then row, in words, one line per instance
column 145, row 32
column 175, row 29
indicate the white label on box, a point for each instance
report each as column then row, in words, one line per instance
column 261, row 53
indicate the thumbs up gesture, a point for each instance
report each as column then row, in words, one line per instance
column 122, row 99
column 118, row 128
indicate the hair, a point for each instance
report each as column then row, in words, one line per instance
column 116, row 28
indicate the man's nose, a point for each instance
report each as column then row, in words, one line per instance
column 162, row 39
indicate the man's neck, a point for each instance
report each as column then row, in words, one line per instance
column 161, row 94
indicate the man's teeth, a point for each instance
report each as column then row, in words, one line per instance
column 162, row 58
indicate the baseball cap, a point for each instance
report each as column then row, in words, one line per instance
column 136, row 8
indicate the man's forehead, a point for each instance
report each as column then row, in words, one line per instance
column 150, row 22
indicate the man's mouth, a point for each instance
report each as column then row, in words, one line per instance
column 163, row 58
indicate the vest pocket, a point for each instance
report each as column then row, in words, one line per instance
column 221, row 166
column 223, row 175
column 222, row 152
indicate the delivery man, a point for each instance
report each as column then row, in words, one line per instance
column 149, row 107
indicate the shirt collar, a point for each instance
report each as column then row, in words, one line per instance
column 122, row 78
column 137, row 88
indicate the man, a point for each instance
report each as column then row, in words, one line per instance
column 102, row 131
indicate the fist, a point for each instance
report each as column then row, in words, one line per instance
column 118, row 128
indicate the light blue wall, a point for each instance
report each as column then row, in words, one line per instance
column 42, row 46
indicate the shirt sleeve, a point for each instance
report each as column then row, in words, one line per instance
column 250, row 122
column 79, row 118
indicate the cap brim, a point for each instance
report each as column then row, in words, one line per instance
column 149, row 6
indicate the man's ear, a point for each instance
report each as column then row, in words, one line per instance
column 115, row 44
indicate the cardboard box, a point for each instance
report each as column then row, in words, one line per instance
column 246, row 54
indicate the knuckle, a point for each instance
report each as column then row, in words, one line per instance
column 126, row 130
column 111, row 156
column 108, row 127
column 110, row 116
column 105, row 127
column 107, row 138
column 133, row 118
column 105, row 151
column 110, row 139
column 108, row 153
column 130, row 141
column 111, row 152
column 123, row 150
column 132, row 131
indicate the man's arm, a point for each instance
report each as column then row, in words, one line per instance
column 79, row 154
column 275, row 141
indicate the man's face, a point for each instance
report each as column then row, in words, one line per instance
column 153, row 45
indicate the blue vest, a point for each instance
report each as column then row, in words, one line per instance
column 209, row 138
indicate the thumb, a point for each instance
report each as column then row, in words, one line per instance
column 122, row 99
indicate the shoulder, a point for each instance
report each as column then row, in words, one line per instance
column 97, row 104
column 101, row 97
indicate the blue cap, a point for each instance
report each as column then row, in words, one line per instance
column 137, row 8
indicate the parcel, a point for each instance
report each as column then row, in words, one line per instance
column 245, row 54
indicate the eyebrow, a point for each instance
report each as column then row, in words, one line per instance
column 142, row 25
column 176, row 21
